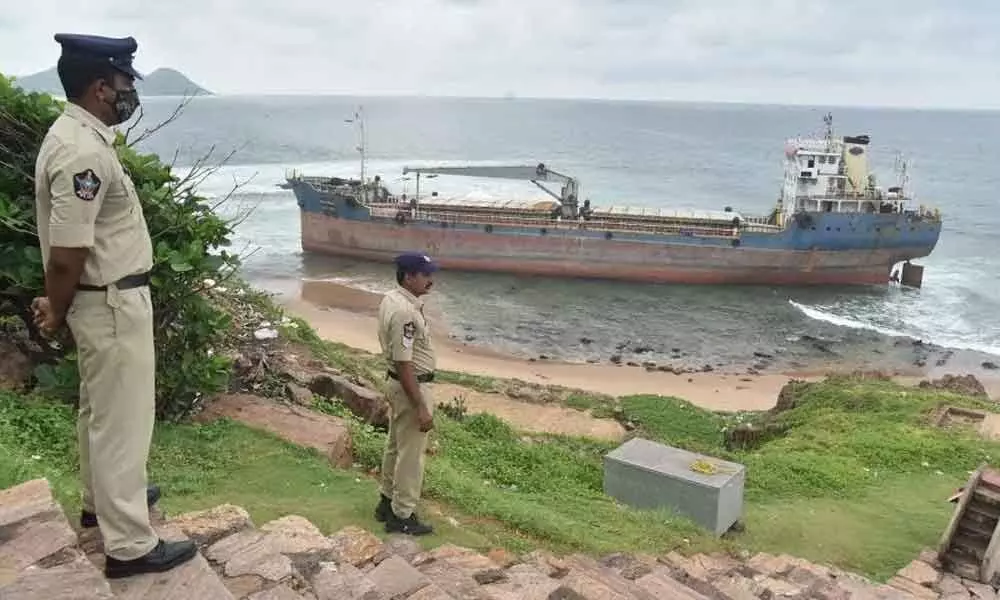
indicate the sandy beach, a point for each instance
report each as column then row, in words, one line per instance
column 347, row 315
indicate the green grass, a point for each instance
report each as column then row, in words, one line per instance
column 858, row 480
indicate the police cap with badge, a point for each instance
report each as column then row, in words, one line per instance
column 415, row 262
column 117, row 52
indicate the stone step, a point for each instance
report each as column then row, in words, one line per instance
column 193, row 579
column 39, row 558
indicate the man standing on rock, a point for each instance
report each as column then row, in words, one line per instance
column 97, row 254
column 406, row 345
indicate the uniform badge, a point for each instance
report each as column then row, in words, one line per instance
column 409, row 330
column 86, row 185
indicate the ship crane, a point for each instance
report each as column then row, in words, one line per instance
column 567, row 198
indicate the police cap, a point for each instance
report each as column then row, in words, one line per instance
column 415, row 262
column 118, row 52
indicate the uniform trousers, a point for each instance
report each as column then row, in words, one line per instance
column 113, row 331
column 403, row 460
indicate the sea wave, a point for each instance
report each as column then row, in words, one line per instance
column 957, row 340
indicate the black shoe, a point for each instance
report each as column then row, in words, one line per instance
column 410, row 525
column 89, row 519
column 383, row 509
column 165, row 556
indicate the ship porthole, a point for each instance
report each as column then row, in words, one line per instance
column 544, row 231
column 488, row 228
column 607, row 235
column 736, row 243
column 444, row 224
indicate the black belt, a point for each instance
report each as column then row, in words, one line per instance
column 422, row 378
column 125, row 283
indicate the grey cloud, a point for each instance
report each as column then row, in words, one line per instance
column 822, row 51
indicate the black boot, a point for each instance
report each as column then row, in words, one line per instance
column 89, row 519
column 383, row 509
column 411, row 525
column 165, row 556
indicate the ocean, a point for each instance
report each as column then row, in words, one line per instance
column 626, row 153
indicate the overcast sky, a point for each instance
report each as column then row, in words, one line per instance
column 861, row 52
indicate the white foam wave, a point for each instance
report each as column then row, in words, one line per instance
column 958, row 340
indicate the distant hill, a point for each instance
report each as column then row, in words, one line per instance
column 161, row 82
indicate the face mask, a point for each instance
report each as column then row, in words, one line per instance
column 125, row 104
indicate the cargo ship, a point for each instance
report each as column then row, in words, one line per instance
column 832, row 224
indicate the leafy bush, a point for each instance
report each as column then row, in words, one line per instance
column 187, row 237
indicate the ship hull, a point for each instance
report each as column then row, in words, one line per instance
column 760, row 259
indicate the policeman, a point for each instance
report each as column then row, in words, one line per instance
column 98, row 254
column 406, row 345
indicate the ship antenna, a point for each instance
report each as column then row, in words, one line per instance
column 359, row 120
column 828, row 120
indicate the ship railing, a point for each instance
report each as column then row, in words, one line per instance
column 726, row 231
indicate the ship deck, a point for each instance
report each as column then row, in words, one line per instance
column 539, row 215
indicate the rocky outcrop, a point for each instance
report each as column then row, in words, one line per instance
column 966, row 385
column 329, row 435
column 291, row 559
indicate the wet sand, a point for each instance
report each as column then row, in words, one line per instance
column 347, row 315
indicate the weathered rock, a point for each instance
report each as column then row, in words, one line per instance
column 293, row 534
column 76, row 580
column 660, row 583
column 630, row 566
column 228, row 547
column 577, row 586
column 522, row 582
column 920, row 573
column 244, row 585
column 788, row 396
column 15, row 366
column 299, row 395
column 736, row 587
column 343, row 582
column 327, row 434
column 355, row 546
column 951, row 584
column 689, row 568
column 195, row 577
column 399, row 545
column 367, row 404
column 486, row 576
column 547, row 563
column 966, row 385
column 32, row 525
column 394, row 577
column 912, row 588
column 779, row 588
column 259, row 559
column 205, row 527
column 24, row 500
column 979, row 591
column 278, row 592
column 769, row 564
column 431, row 592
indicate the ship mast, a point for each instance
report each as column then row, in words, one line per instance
column 359, row 120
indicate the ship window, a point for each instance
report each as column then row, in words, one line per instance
column 812, row 163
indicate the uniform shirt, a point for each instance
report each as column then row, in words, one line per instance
column 403, row 332
column 84, row 199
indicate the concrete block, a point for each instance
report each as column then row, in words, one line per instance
column 647, row 475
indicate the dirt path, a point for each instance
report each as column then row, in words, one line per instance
column 535, row 418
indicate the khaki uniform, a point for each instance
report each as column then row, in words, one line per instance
column 404, row 336
column 84, row 199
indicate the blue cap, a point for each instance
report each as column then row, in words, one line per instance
column 116, row 51
column 415, row 262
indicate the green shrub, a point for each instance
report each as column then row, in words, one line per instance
column 187, row 239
